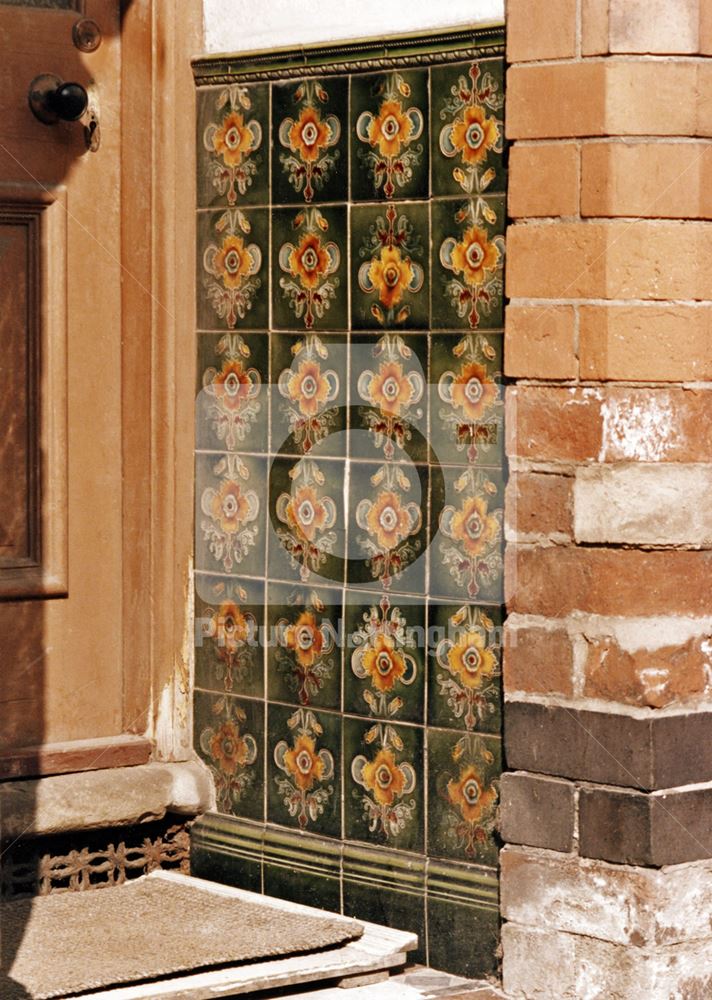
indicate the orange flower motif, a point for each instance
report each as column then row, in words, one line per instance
column 310, row 261
column 467, row 795
column 231, row 627
column 384, row 778
column 387, row 520
column 232, row 140
column 391, row 275
column 473, row 392
column 474, row 135
column 474, row 255
column 232, row 262
column 305, row 640
column 229, row 507
column 389, row 389
column 391, row 129
column 232, row 385
column 306, row 513
column 308, row 388
column 471, row 660
column 384, row 663
column 473, row 527
column 228, row 748
column 303, row 763
column 309, row 135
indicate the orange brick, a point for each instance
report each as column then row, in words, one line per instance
column 647, row 179
column 706, row 28
column 656, row 26
column 671, row 343
column 609, row 424
column 543, row 179
column 539, row 504
column 537, row 660
column 540, row 29
column 654, row 678
column 619, row 260
column 557, row 580
column 540, row 342
column 594, row 27
column 610, row 97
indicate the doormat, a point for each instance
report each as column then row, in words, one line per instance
column 69, row 943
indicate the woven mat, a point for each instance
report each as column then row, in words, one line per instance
column 64, row 944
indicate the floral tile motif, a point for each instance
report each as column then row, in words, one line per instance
column 228, row 737
column 231, row 408
column 388, row 524
column 467, row 399
column 307, row 536
column 309, row 158
column 389, row 149
column 233, row 148
column 309, row 269
column 466, row 552
column 389, row 378
column 309, row 394
column 230, row 513
column 229, row 615
column 384, row 668
column 464, row 689
column 389, row 259
column 304, row 755
column 463, row 793
column 468, row 264
column 232, row 269
column 467, row 128
column 304, row 656
column 383, row 768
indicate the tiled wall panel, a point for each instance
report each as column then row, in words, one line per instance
column 349, row 482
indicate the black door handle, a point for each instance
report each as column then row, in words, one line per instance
column 52, row 101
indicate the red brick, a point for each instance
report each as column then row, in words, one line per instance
column 540, row 342
column 557, row 580
column 540, row 29
column 545, row 423
column 556, row 101
column 537, row 660
column 543, row 179
column 670, row 343
column 539, row 504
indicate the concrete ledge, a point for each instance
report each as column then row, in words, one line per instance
column 94, row 799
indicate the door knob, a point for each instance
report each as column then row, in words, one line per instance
column 52, row 101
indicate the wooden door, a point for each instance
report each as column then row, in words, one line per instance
column 81, row 262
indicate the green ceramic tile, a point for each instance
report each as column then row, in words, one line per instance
column 466, row 552
column 389, row 390
column 229, row 654
column 390, row 279
column 463, row 939
column 467, row 398
column 233, row 145
column 232, row 288
column 310, row 141
column 463, row 771
column 465, row 667
column 307, row 536
column 309, row 393
column 388, row 526
column 228, row 869
column 388, row 907
column 304, row 655
column 389, row 135
column 383, row 783
column 306, row 888
column 384, row 666
column 467, row 129
column 232, row 392
column 309, row 274
column 468, row 264
column 230, row 517
column 304, row 769
column 228, row 735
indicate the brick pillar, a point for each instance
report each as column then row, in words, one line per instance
column 607, row 809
